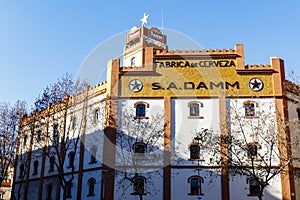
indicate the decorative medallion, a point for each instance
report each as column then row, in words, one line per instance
column 256, row 84
column 135, row 85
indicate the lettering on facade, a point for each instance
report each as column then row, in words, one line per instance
column 201, row 63
column 196, row 86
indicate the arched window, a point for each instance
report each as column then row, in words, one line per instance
column 52, row 163
column 71, row 157
column 49, row 192
column 250, row 108
column 139, row 185
column 91, row 184
column 132, row 62
column 254, row 186
column 195, row 185
column 194, row 107
column 93, row 151
column 35, row 167
column 139, row 147
column 140, row 109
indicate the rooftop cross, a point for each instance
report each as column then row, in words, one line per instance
column 144, row 20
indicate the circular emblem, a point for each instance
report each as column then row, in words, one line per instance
column 135, row 85
column 256, row 84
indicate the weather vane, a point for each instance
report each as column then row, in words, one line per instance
column 144, row 20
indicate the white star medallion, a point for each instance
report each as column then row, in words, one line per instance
column 135, row 85
column 256, row 84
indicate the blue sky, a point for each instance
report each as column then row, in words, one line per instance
column 41, row 40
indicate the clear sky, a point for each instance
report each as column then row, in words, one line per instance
column 41, row 40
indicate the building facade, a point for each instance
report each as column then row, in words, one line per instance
column 158, row 129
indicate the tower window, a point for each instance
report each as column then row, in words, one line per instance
column 254, row 186
column 132, row 62
column 139, row 147
column 140, row 108
column 298, row 113
column 194, row 107
column 195, row 185
column 194, row 151
column 139, row 185
column 91, row 184
column 39, row 135
column 35, row 167
column 250, row 108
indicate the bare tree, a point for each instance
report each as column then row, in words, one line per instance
column 62, row 123
column 139, row 151
column 9, row 121
column 257, row 144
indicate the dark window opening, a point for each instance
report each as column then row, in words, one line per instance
column 132, row 61
column 249, row 109
column 194, row 151
column 298, row 112
column 96, row 115
column 91, row 184
column 69, row 189
column 141, row 110
column 35, row 167
column 49, row 192
column 93, row 152
column 252, row 150
column 139, row 185
column 52, row 164
column 55, row 134
column 196, row 185
column 71, row 158
column 39, row 136
column 22, row 170
column 139, row 147
column 254, row 187
column 194, row 109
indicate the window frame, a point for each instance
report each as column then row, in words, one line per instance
column 138, row 115
column 200, row 181
column 96, row 115
column 136, row 185
column 197, row 114
column 251, row 113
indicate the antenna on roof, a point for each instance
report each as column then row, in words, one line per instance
column 162, row 18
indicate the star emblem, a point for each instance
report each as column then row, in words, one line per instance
column 135, row 85
column 144, row 20
column 256, row 84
